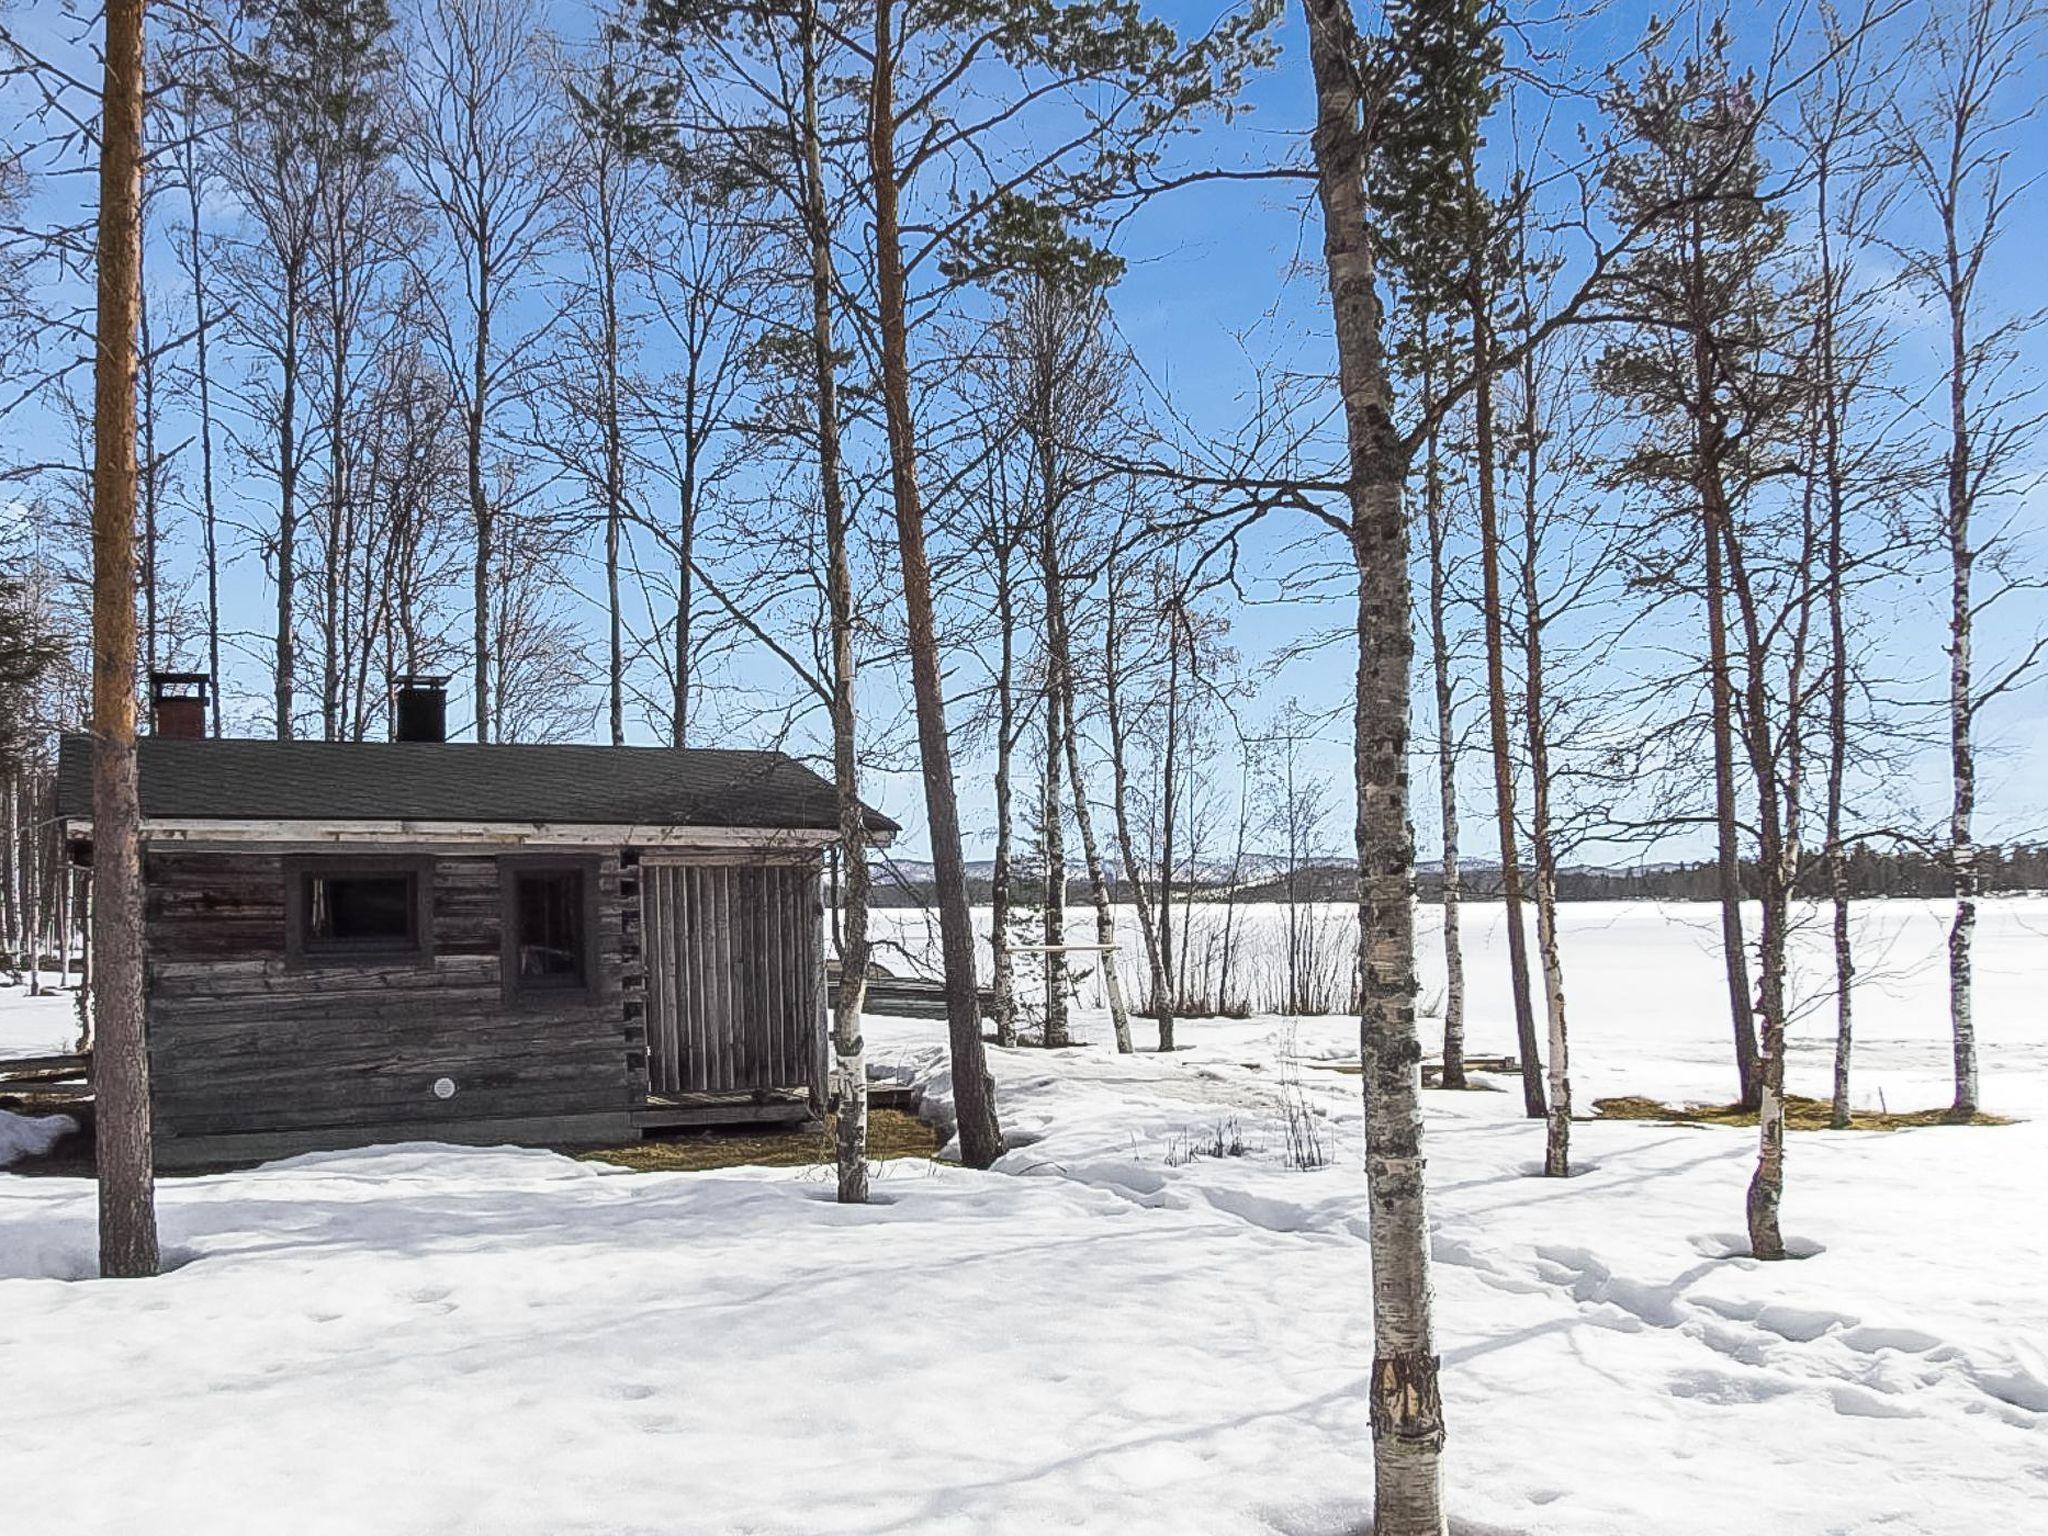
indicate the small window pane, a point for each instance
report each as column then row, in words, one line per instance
column 550, row 917
column 359, row 909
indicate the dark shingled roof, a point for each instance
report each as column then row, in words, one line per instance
column 462, row 781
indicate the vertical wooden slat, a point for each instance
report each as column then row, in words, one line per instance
column 748, row 1037
column 671, row 963
column 657, row 921
column 654, row 966
column 689, row 957
column 676, row 910
column 702, row 1055
column 707, row 964
column 776, row 901
column 744, row 991
column 768, row 1033
column 753, row 1010
column 814, row 926
column 717, row 1008
column 797, row 972
column 738, row 955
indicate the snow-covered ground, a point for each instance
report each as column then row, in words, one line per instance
column 1100, row 1335
column 1647, row 998
column 37, row 1026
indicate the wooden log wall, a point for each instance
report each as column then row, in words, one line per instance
column 243, row 1040
column 734, row 975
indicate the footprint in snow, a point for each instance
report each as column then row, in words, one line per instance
column 1724, row 1388
column 1869, row 1339
column 1861, row 1403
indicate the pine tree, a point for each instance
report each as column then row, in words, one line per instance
column 125, row 1142
column 1692, row 367
column 1702, row 365
column 1443, row 241
column 1136, row 83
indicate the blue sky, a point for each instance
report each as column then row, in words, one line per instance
column 1223, row 277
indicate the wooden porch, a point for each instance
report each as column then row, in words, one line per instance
column 673, row 1111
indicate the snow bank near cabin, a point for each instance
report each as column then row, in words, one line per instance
column 24, row 1136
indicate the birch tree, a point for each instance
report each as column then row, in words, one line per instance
column 296, row 103
column 582, row 406
column 781, row 63
column 1405, row 1397
column 1854, row 476
column 1424, row 349
column 483, row 141
column 1957, row 144
column 195, row 117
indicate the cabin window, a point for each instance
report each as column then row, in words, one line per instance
column 359, row 910
column 548, row 922
column 344, row 909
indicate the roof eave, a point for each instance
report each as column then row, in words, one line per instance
column 256, row 831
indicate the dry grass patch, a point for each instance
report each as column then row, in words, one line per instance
column 891, row 1134
column 1801, row 1114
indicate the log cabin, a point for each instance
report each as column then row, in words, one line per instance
column 350, row 943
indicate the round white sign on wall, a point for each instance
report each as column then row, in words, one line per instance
column 444, row 1087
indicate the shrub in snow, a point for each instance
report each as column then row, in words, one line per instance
column 1225, row 1139
column 1305, row 1149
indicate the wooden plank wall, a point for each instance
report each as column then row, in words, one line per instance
column 241, row 1041
column 732, row 957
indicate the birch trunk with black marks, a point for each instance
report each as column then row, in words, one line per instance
column 209, row 519
column 1557, row 1132
column 1436, row 530
column 1962, row 847
column 192, row 176
column 614, row 449
column 686, row 581
column 1833, row 485
column 1777, row 870
column 1062, row 658
column 981, row 1139
column 1974, row 62
column 1405, row 1398
column 1003, row 980
column 1164, row 1000
column 1120, row 792
column 849, row 1054
column 125, row 1145
column 1485, row 470
column 481, row 513
column 1054, row 834
column 284, row 663
column 12, row 909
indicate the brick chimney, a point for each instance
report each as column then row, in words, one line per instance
column 177, row 704
column 419, row 707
